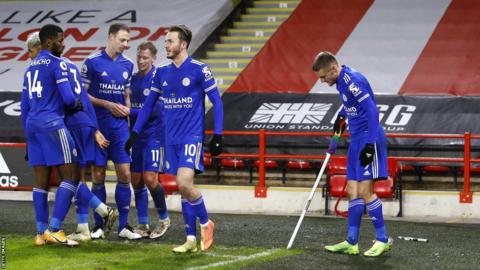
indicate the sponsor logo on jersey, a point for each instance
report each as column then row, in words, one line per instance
column 354, row 89
column 183, row 100
column 146, row 91
column 63, row 65
column 186, row 81
column 344, row 97
column 208, row 74
column 112, row 86
column 84, row 69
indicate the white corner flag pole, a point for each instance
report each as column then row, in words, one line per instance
column 307, row 204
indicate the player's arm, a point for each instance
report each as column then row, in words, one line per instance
column 24, row 105
column 61, row 78
column 366, row 102
column 210, row 88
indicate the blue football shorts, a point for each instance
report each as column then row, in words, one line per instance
column 147, row 156
column 51, row 148
column 116, row 150
column 373, row 171
column 189, row 155
column 84, row 138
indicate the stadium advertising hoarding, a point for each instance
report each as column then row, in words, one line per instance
column 15, row 173
column 86, row 26
column 317, row 112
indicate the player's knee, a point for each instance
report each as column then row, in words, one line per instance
column 98, row 175
column 151, row 182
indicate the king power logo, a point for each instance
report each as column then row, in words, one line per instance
column 310, row 116
column 289, row 116
column 6, row 180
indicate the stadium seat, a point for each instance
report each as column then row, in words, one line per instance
column 207, row 161
column 269, row 164
column 233, row 163
column 168, row 182
column 298, row 165
column 336, row 183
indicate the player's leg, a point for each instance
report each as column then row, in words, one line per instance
column 171, row 167
column 40, row 187
column 356, row 205
column 140, row 192
column 153, row 159
column 98, row 184
column 59, row 151
column 376, row 169
column 123, row 193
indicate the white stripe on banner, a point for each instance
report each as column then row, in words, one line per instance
column 387, row 42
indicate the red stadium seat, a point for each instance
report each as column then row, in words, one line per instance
column 54, row 182
column 233, row 163
column 207, row 161
column 269, row 164
column 299, row 164
column 336, row 183
column 168, row 182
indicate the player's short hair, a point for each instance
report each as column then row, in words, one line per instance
column 184, row 33
column 49, row 31
column 148, row 45
column 323, row 60
column 116, row 27
column 33, row 40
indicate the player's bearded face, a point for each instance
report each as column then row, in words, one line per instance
column 173, row 45
column 57, row 45
column 328, row 75
column 119, row 41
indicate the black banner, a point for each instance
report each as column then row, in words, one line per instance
column 10, row 120
column 316, row 112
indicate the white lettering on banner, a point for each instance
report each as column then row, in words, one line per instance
column 3, row 165
column 308, row 116
column 12, row 108
column 85, row 28
column 290, row 113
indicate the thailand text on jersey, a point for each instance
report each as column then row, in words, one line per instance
column 82, row 118
column 108, row 79
column 41, row 83
column 183, row 91
column 354, row 89
column 140, row 88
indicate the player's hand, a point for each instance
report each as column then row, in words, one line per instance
column 366, row 156
column 26, row 153
column 100, row 139
column 332, row 148
column 118, row 110
column 78, row 105
column 216, row 145
column 339, row 125
column 131, row 140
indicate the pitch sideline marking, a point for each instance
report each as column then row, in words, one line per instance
column 235, row 260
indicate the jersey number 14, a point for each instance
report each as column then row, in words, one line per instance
column 34, row 86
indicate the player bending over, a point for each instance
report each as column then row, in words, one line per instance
column 367, row 153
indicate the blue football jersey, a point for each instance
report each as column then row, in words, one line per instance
column 108, row 79
column 183, row 91
column 140, row 87
column 86, row 117
column 359, row 103
column 41, row 84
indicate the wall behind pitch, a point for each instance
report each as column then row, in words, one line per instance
column 86, row 26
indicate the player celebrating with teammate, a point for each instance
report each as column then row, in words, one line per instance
column 107, row 75
column 183, row 85
column 45, row 96
column 367, row 153
column 148, row 150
